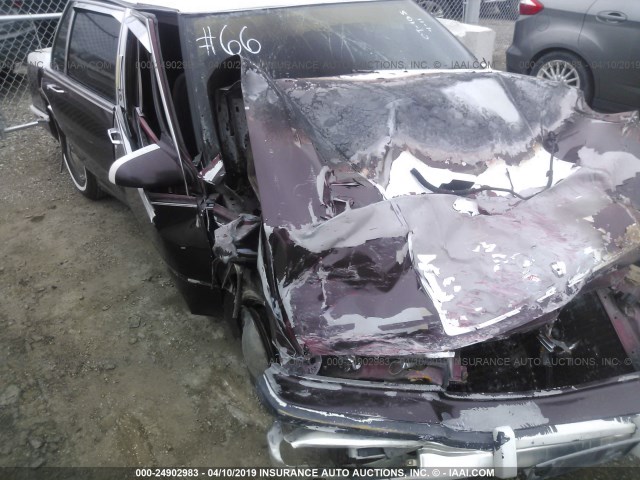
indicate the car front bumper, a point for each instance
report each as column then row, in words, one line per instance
column 575, row 427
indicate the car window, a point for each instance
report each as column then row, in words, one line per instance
column 92, row 51
column 59, row 50
column 311, row 41
column 142, row 98
column 326, row 39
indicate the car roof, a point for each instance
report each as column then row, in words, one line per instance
column 207, row 6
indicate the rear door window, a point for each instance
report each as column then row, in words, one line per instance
column 59, row 50
column 142, row 97
column 93, row 49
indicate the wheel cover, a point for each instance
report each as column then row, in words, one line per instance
column 432, row 8
column 76, row 168
column 560, row 71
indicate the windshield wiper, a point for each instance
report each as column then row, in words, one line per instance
column 551, row 142
column 463, row 193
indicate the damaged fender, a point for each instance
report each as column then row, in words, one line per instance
column 369, row 261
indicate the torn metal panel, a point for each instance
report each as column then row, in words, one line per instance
column 236, row 240
column 485, row 419
column 405, row 270
column 626, row 320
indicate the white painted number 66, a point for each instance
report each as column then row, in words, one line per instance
column 235, row 47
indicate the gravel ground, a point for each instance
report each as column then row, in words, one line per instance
column 101, row 364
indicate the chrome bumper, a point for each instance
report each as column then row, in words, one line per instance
column 565, row 445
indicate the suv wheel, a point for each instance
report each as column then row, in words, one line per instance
column 84, row 181
column 566, row 68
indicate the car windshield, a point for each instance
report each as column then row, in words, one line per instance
column 325, row 40
column 308, row 41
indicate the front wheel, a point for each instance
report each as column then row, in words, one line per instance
column 84, row 181
column 567, row 68
column 255, row 344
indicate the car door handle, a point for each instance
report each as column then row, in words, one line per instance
column 611, row 16
column 54, row 88
column 114, row 136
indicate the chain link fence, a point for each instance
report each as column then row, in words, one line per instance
column 490, row 10
column 25, row 26
column 499, row 15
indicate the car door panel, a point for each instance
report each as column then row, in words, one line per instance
column 83, row 119
column 170, row 220
column 173, row 219
column 82, row 106
column 610, row 41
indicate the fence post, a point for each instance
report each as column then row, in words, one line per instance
column 28, row 26
column 472, row 11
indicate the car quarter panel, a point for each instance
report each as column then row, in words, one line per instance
column 556, row 27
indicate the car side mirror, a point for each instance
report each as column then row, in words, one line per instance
column 149, row 167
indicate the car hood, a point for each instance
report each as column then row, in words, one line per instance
column 360, row 258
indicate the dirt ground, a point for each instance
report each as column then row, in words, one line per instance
column 101, row 364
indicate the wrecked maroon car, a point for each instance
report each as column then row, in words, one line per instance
column 428, row 265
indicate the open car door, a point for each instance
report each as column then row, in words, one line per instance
column 159, row 186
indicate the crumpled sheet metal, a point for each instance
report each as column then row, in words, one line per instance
column 407, row 274
column 229, row 238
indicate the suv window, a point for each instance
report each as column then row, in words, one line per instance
column 59, row 50
column 92, row 51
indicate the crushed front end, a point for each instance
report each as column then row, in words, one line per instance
column 542, row 401
column 449, row 273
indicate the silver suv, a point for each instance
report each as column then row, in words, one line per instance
column 589, row 44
